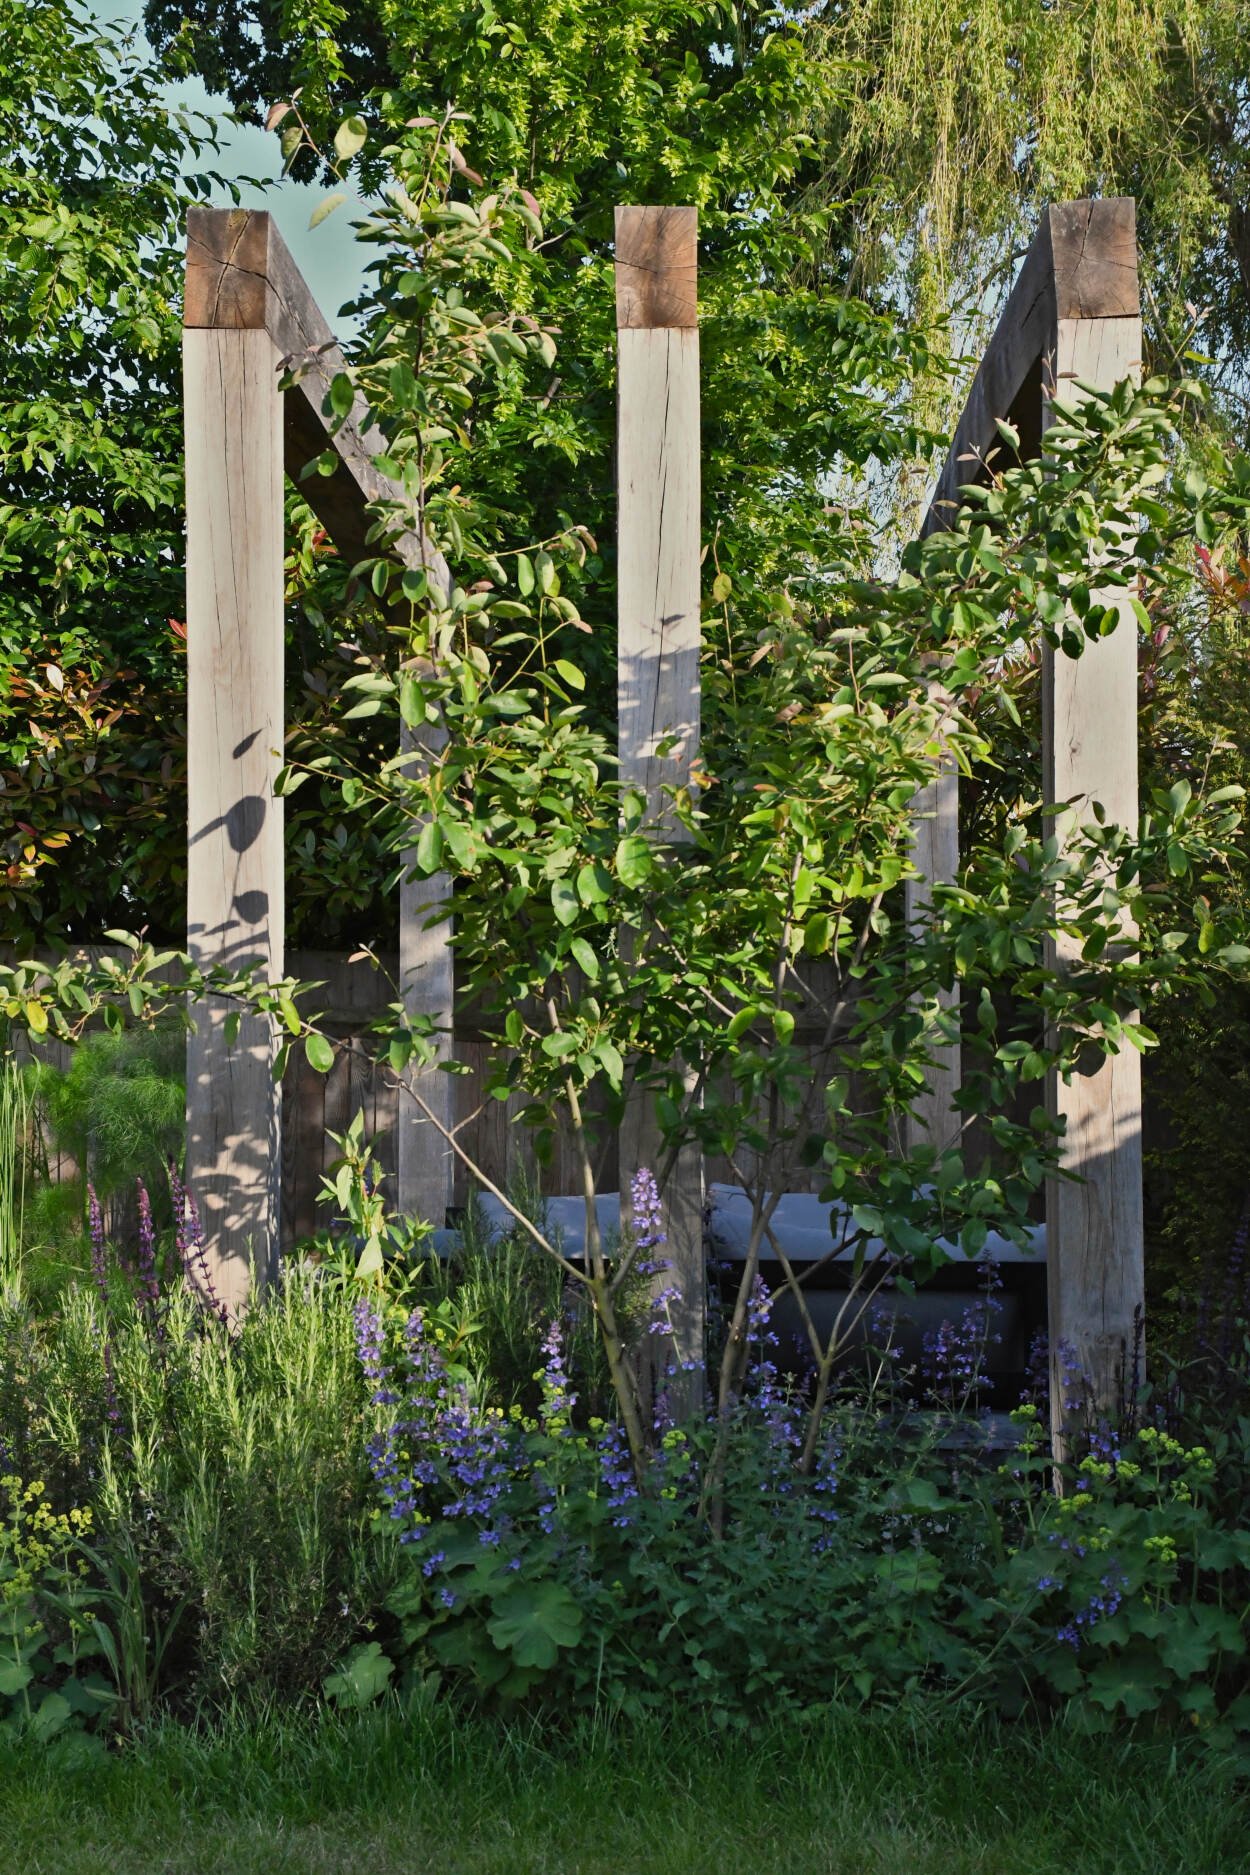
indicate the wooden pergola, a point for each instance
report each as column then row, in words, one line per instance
column 1073, row 317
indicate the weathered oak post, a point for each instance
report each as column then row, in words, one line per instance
column 1095, row 1229
column 235, row 899
column 1075, row 314
column 658, row 641
column 247, row 313
column 936, row 1120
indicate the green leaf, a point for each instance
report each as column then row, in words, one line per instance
column 15, row 1677
column 586, row 958
column 361, row 1679
column 533, row 1624
column 570, row 673
column 429, row 854
column 594, row 884
column 370, row 1261
column 320, row 1053
column 524, row 575
column 564, row 901
column 816, row 934
column 342, row 394
column 350, row 138
column 635, row 860
column 52, row 1714
column 741, row 1022
column 327, row 207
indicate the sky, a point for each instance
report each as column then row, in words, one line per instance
column 327, row 256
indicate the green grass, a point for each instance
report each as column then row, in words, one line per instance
column 844, row 1795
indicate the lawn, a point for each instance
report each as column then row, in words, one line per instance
column 842, row 1795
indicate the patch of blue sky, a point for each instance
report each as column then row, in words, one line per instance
column 329, row 257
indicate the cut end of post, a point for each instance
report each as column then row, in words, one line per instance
column 228, row 267
column 1093, row 250
column 656, row 268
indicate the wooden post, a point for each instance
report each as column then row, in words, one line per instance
column 425, row 1165
column 1095, row 1229
column 935, row 1119
column 1075, row 313
column 234, row 740
column 658, row 641
column 248, row 312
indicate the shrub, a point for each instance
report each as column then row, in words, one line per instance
column 918, row 1557
column 224, row 1471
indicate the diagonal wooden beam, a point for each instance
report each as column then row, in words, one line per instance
column 241, row 277
column 1082, row 265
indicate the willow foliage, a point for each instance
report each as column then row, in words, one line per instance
column 956, row 124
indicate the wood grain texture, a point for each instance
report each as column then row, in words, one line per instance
column 240, row 275
column 658, row 546
column 656, row 268
column 1095, row 1227
column 936, row 1121
column 235, row 895
column 425, row 1163
column 658, row 645
column 1093, row 249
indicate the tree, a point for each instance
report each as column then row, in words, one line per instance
column 91, row 200
column 955, row 125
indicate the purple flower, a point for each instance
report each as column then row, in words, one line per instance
column 954, row 1355
column 99, row 1270
column 558, row 1398
column 648, row 1215
column 369, row 1343
column 437, row 1457
column 149, row 1280
column 617, row 1472
column 824, row 1485
column 99, row 1249
column 189, row 1237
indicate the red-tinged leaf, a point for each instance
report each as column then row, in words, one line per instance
column 275, row 114
column 530, row 201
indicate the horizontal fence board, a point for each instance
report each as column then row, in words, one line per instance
column 354, row 991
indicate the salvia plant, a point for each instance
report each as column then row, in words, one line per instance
column 535, row 1563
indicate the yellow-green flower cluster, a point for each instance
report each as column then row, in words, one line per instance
column 33, row 1537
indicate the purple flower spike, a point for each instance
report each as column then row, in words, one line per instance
column 150, row 1288
column 558, row 1397
column 190, row 1242
column 99, row 1252
column 99, row 1270
column 648, row 1215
